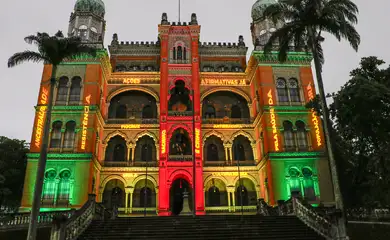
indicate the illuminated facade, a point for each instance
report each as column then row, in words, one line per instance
column 133, row 115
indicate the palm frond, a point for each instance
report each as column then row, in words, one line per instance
column 59, row 34
column 26, row 56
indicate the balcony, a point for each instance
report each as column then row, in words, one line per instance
column 132, row 121
column 227, row 120
column 229, row 163
column 180, row 158
column 180, row 114
column 153, row 163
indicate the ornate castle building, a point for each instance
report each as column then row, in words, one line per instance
column 146, row 121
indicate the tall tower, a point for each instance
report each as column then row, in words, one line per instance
column 261, row 27
column 70, row 174
column 292, row 141
column 179, row 107
column 87, row 20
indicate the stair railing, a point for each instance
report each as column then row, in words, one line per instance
column 319, row 224
column 72, row 228
column 21, row 220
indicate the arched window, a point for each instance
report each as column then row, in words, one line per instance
column 70, row 134
column 301, row 135
column 174, row 53
column 308, row 184
column 242, row 197
column 147, row 112
column 180, row 143
column 62, row 91
column 239, row 152
column 93, row 35
column 82, row 33
column 63, row 195
column 119, row 153
column 146, row 153
column 49, row 187
column 75, row 91
column 236, row 112
column 210, row 112
column 242, row 149
column 212, row 153
column 121, row 112
column 289, row 142
column 295, row 182
column 294, row 90
column 179, row 53
column 56, row 135
column 214, row 197
column 145, row 197
column 282, row 90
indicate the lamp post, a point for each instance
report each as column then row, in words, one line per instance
column 240, row 182
column 193, row 155
column 146, row 179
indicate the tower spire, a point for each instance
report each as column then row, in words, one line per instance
column 179, row 9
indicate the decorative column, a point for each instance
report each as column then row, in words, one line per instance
column 231, row 198
column 128, row 145
column 251, row 111
column 226, row 146
column 254, row 149
column 131, row 191
column 157, row 152
column 126, row 201
column 156, row 191
column 104, row 151
column 302, row 187
column 231, row 152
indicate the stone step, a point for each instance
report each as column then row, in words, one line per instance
column 201, row 227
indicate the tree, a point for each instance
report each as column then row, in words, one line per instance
column 13, row 162
column 361, row 115
column 361, row 134
column 303, row 22
column 51, row 50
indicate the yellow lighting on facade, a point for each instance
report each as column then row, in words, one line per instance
column 130, row 175
column 197, row 140
column 163, row 141
column 131, row 81
column 41, row 117
column 131, row 126
column 227, row 126
column 273, row 120
column 223, row 82
column 228, row 174
column 85, row 122
column 314, row 117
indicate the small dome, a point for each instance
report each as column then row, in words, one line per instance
column 95, row 6
column 259, row 7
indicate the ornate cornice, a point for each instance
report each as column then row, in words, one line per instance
column 294, row 155
column 293, row 59
column 62, row 156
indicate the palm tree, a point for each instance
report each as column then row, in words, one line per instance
column 303, row 22
column 51, row 50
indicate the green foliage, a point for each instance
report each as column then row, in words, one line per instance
column 52, row 49
column 361, row 134
column 13, row 162
column 303, row 22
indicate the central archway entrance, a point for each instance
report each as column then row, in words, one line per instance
column 178, row 188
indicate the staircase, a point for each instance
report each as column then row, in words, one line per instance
column 208, row 227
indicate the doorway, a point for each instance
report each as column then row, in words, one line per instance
column 178, row 187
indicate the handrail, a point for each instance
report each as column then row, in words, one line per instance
column 313, row 220
column 22, row 220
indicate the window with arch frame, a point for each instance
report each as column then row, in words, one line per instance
column 70, row 134
column 288, row 135
column 288, row 91
column 301, row 134
column 56, row 135
column 63, row 193
column 302, row 180
column 49, row 187
column 62, row 91
column 75, row 91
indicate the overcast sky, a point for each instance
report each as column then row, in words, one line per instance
column 137, row 20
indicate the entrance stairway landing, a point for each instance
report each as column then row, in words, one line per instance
column 209, row 227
